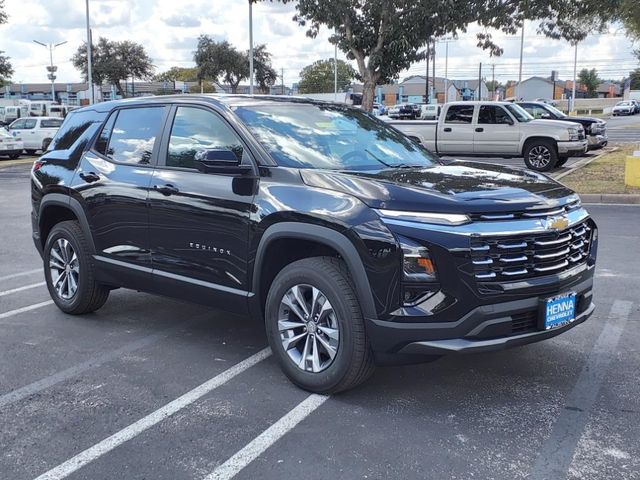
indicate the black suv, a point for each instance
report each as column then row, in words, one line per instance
column 354, row 244
column 594, row 128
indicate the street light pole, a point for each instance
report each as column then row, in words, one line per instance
column 335, row 73
column 575, row 75
column 521, row 55
column 52, row 69
column 250, row 47
column 89, row 57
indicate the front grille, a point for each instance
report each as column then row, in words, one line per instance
column 533, row 255
column 531, row 213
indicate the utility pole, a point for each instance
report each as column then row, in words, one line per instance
column 575, row 78
column 480, row 82
column 282, row 77
column 433, row 94
column 51, row 68
column 493, row 80
column 426, row 89
column 335, row 73
column 250, row 47
column 521, row 54
column 89, row 57
column 446, row 72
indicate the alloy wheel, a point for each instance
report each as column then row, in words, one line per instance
column 539, row 156
column 308, row 328
column 65, row 269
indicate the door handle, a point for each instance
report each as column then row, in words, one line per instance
column 448, row 129
column 90, row 177
column 166, row 190
column 479, row 129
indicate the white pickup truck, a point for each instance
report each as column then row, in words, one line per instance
column 497, row 129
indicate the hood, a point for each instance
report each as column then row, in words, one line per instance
column 553, row 123
column 458, row 187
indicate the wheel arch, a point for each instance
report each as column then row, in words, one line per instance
column 56, row 208
column 324, row 237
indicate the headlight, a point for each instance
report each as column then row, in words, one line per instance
column 424, row 217
column 574, row 133
column 417, row 265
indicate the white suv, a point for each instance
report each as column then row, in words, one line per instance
column 36, row 132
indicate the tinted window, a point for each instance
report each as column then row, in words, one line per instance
column 18, row 124
column 196, row 130
column 51, row 123
column 134, row 135
column 30, row 123
column 332, row 137
column 493, row 114
column 459, row 114
column 73, row 128
column 102, row 142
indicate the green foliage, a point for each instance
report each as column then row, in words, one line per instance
column 319, row 76
column 178, row 74
column 5, row 69
column 385, row 37
column 590, row 79
column 3, row 15
column 634, row 78
column 217, row 60
column 114, row 62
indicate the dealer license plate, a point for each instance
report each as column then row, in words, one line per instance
column 559, row 311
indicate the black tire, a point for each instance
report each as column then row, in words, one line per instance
column 14, row 156
column 31, row 152
column 89, row 295
column 562, row 161
column 353, row 363
column 547, row 149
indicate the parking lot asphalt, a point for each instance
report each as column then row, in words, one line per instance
column 151, row 388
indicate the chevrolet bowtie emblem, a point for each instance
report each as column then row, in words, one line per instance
column 557, row 223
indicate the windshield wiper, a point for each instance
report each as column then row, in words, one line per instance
column 389, row 165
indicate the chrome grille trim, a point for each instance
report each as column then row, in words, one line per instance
column 544, row 256
column 544, row 243
column 564, row 263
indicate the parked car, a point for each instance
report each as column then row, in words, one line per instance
column 10, row 146
column 378, row 109
column 636, row 105
column 354, row 244
column 430, row 111
column 594, row 128
column 498, row 129
column 408, row 111
column 36, row 132
column 10, row 113
column 623, row 108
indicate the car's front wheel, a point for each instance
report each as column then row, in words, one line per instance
column 315, row 327
column 69, row 271
column 541, row 155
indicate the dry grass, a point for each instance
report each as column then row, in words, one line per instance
column 604, row 175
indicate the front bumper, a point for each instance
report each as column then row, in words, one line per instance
column 597, row 141
column 573, row 148
column 485, row 328
column 15, row 151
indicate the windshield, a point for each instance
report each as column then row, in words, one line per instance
column 623, row 104
column 557, row 112
column 520, row 113
column 331, row 137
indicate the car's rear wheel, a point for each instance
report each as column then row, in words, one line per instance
column 14, row 156
column 315, row 327
column 69, row 271
column 541, row 155
column 30, row 151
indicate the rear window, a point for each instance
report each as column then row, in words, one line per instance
column 51, row 123
column 459, row 114
column 75, row 129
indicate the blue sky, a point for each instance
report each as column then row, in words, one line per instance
column 169, row 30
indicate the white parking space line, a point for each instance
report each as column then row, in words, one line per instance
column 557, row 452
column 105, row 446
column 21, row 274
column 20, row 289
column 271, row 435
column 35, row 306
column 37, row 386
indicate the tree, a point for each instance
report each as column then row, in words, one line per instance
column 385, row 37
column 319, row 76
column 590, row 79
column 114, row 62
column 6, row 70
column 634, row 78
column 221, row 59
column 266, row 76
column 178, row 74
column 3, row 15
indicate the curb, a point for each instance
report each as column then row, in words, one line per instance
column 583, row 163
column 612, row 198
column 12, row 163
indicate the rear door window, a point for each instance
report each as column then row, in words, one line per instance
column 459, row 114
column 30, row 123
column 50, row 123
column 130, row 135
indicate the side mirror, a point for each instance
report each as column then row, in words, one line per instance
column 221, row 160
